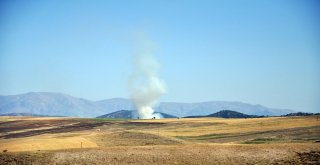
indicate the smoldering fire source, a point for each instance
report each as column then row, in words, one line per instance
column 145, row 86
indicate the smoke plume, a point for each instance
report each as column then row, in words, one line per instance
column 144, row 85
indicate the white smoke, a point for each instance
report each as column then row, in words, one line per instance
column 144, row 85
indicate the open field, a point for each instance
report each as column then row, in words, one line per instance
column 276, row 140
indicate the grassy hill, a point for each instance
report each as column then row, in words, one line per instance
column 227, row 114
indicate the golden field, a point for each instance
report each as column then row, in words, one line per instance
column 274, row 140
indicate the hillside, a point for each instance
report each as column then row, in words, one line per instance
column 227, row 114
column 58, row 104
column 231, row 114
column 126, row 114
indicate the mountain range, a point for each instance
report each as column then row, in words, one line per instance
column 58, row 104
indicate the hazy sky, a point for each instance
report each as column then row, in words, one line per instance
column 256, row 51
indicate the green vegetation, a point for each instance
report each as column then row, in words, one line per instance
column 204, row 137
column 263, row 140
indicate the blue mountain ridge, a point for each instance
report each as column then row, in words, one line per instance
column 58, row 104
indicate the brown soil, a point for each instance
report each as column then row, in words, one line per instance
column 306, row 158
column 195, row 154
column 30, row 124
column 26, row 158
column 61, row 127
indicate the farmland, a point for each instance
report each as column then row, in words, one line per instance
column 48, row 140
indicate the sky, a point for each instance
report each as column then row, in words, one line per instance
column 260, row 52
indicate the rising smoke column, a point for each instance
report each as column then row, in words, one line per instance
column 144, row 85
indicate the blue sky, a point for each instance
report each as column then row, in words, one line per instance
column 260, row 52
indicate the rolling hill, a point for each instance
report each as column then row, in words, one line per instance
column 231, row 114
column 58, row 104
column 227, row 114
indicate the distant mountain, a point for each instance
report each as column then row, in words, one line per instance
column 22, row 114
column 206, row 108
column 52, row 104
column 58, row 104
column 126, row 114
column 227, row 114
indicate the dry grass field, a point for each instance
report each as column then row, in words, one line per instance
column 274, row 140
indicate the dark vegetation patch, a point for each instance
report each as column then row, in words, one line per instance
column 264, row 140
column 204, row 137
column 312, row 157
column 305, row 158
column 302, row 114
column 31, row 124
